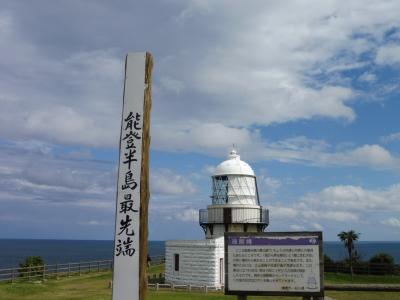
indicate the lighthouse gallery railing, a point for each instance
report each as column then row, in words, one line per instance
column 237, row 215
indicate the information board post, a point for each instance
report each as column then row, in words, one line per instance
column 274, row 264
column 131, row 233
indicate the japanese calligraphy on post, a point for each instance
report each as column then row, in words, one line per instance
column 126, row 247
column 274, row 263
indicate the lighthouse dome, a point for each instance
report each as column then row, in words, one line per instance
column 234, row 183
column 233, row 166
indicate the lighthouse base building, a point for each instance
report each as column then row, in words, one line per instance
column 195, row 262
column 235, row 208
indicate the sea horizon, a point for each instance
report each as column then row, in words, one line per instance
column 53, row 251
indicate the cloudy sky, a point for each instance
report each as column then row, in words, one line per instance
column 307, row 90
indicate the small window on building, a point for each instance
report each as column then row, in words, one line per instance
column 221, row 271
column 176, row 262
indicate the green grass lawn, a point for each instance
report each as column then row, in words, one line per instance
column 220, row 296
column 96, row 286
column 332, row 278
column 156, row 269
column 89, row 286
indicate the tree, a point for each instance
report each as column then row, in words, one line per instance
column 381, row 263
column 32, row 266
column 349, row 237
column 327, row 260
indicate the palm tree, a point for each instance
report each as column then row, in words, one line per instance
column 349, row 238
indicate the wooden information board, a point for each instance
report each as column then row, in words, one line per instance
column 274, row 263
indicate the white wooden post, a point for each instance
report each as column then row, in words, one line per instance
column 130, row 244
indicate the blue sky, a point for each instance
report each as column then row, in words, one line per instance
column 307, row 90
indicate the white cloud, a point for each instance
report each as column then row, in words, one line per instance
column 221, row 76
column 193, row 8
column 211, row 138
column 259, row 71
column 391, row 137
column 354, row 199
column 188, row 215
column 318, row 153
column 374, row 156
column 66, row 100
column 340, row 216
column 338, row 205
column 32, row 171
column 312, row 213
column 317, row 226
column 172, row 84
column 5, row 23
column 296, row 227
column 209, row 170
column 268, row 186
column 272, row 183
column 314, row 226
column 108, row 204
column 91, row 223
column 166, row 182
column 395, row 222
column 367, row 77
column 279, row 211
column 215, row 139
column 389, row 54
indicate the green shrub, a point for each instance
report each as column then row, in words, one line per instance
column 327, row 260
column 381, row 263
column 32, row 266
column 382, row 258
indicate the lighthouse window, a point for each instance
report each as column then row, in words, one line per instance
column 176, row 262
column 242, row 190
column 220, row 189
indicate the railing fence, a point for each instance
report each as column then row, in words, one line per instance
column 157, row 280
column 183, row 287
column 364, row 268
column 68, row 269
column 54, row 270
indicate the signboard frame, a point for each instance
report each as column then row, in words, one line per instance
column 318, row 293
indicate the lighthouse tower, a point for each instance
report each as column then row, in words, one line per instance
column 235, row 205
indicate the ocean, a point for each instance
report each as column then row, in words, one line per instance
column 13, row 251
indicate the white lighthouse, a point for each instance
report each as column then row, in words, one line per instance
column 235, row 207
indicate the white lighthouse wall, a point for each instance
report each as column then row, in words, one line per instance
column 218, row 231
column 199, row 262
